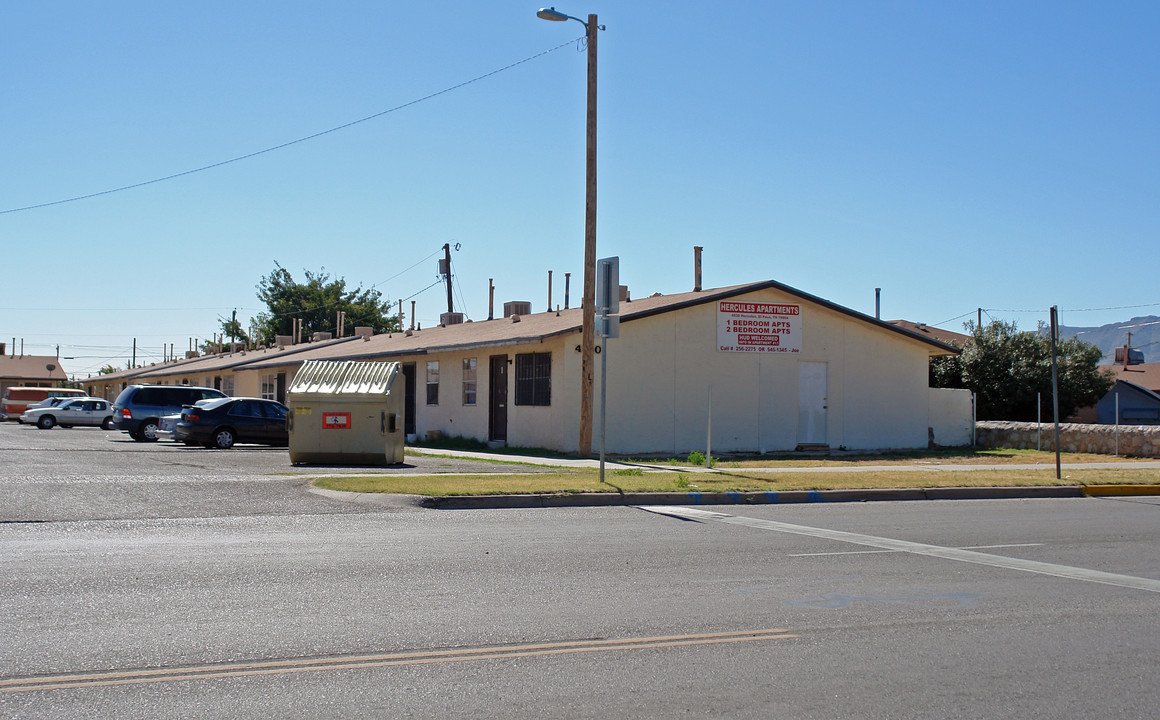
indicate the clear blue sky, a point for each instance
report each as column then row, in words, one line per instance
column 957, row 154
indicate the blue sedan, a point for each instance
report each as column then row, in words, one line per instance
column 223, row 423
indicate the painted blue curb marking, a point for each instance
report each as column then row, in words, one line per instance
column 696, row 496
column 771, row 497
column 815, row 496
column 734, row 496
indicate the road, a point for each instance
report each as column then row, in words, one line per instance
column 310, row 607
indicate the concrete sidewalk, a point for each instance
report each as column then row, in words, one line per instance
column 657, row 467
column 750, row 498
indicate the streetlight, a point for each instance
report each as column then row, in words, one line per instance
column 588, row 303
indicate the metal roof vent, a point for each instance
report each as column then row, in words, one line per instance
column 451, row 318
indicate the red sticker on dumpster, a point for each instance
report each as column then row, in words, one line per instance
column 336, row 420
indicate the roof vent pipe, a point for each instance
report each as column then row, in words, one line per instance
column 491, row 299
column 567, row 288
column 412, row 314
column 877, row 303
column 697, row 268
column 549, row 291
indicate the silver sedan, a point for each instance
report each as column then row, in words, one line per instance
column 81, row 411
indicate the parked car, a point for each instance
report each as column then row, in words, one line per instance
column 47, row 403
column 167, row 424
column 139, row 408
column 222, row 423
column 79, row 411
column 52, row 401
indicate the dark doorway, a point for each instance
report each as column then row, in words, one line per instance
column 497, row 398
column 281, row 388
column 409, row 398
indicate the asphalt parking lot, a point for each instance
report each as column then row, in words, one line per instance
column 93, row 474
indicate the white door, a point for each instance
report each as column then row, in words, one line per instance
column 812, row 403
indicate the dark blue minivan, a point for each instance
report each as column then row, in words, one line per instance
column 139, row 408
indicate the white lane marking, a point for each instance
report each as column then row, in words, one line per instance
column 946, row 553
column 872, row 552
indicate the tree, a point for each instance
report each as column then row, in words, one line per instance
column 108, row 370
column 316, row 302
column 1008, row 370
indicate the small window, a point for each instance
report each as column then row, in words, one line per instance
column 469, row 381
column 432, row 382
column 534, row 379
column 269, row 387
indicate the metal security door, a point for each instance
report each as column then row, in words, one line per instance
column 813, row 403
column 497, row 398
column 409, row 398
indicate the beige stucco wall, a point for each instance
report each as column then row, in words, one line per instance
column 660, row 370
column 951, row 416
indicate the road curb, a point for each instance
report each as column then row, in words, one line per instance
column 494, row 502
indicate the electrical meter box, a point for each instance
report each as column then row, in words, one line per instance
column 346, row 412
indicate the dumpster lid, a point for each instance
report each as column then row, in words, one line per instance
column 344, row 377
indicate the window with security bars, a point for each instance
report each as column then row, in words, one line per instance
column 534, row 379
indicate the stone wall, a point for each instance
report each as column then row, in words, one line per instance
column 1134, row 440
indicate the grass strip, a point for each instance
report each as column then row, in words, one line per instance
column 579, row 481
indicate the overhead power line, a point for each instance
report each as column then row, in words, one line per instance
column 284, row 145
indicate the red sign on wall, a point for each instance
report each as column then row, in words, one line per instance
column 336, row 420
column 759, row 327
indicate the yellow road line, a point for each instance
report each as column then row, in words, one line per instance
column 280, row 667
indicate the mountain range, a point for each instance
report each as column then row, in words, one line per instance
column 1145, row 337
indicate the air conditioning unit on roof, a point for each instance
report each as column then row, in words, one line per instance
column 517, row 307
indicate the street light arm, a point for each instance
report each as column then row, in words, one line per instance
column 551, row 13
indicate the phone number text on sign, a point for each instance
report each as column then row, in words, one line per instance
column 759, row 327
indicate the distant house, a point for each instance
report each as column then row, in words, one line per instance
column 944, row 336
column 1137, row 405
column 29, row 370
column 1146, row 375
column 773, row 367
column 1132, row 375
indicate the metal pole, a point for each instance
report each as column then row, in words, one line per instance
column 1117, row 423
column 603, row 385
column 1055, row 385
column 447, row 260
column 709, row 432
